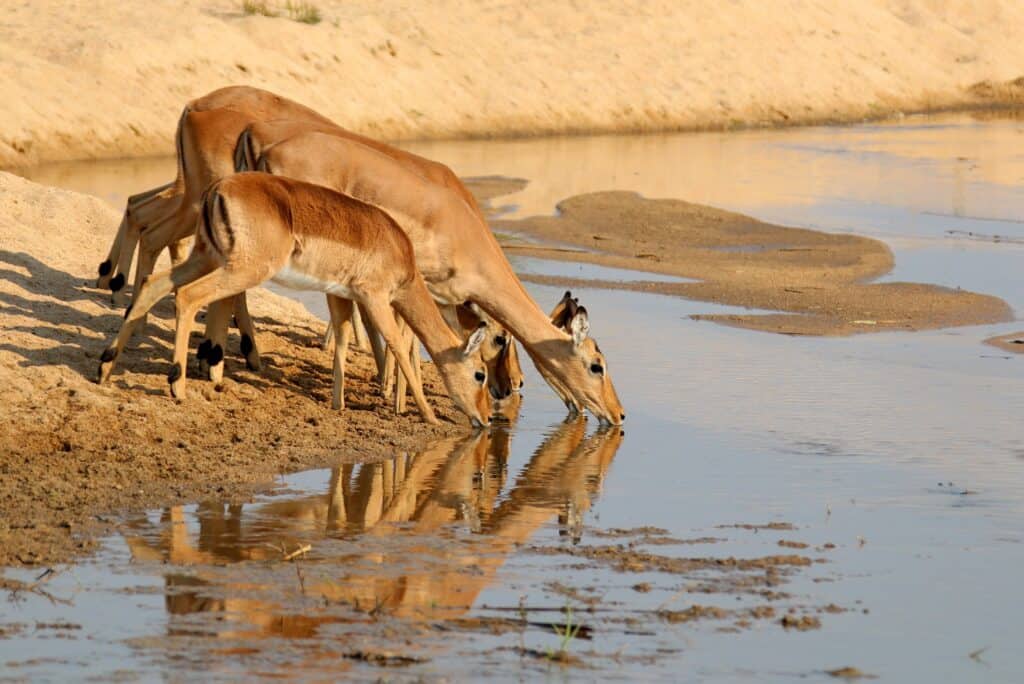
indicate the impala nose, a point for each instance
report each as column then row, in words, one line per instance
column 622, row 416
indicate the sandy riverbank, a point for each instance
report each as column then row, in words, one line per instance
column 72, row 450
column 108, row 79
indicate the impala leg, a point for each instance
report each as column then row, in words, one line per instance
column 211, row 349
column 341, row 324
column 376, row 344
column 153, row 239
column 359, row 330
column 179, row 251
column 112, row 265
column 387, row 382
column 416, row 360
column 152, row 291
column 400, row 379
column 215, row 285
column 328, row 338
column 383, row 319
column 247, row 329
column 157, row 210
column 106, row 269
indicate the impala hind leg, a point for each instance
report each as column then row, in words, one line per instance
column 192, row 296
column 382, row 317
column 152, row 291
column 109, row 268
column 341, row 325
column 153, row 239
column 247, row 330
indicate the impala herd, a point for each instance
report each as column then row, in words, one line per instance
column 268, row 189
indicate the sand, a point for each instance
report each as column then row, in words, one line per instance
column 104, row 79
column 811, row 283
column 1013, row 342
column 72, row 450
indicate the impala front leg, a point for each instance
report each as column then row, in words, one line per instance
column 341, row 325
column 155, row 288
column 216, row 285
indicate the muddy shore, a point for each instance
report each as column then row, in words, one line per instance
column 808, row 282
column 93, row 80
column 73, row 451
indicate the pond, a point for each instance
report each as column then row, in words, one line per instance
column 774, row 508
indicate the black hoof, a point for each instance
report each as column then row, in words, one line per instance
column 117, row 282
column 215, row 355
column 247, row 345
column 105, row 268
column 203, row 353
column 109, row 354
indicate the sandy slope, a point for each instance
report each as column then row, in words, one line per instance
column 106, row 78
column 70, row 448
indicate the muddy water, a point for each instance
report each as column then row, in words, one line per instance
column 898, row 459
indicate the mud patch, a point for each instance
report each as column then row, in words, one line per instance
column 819, row 280
column 1013, row 342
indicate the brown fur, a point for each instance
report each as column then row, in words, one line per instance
column 255, row 226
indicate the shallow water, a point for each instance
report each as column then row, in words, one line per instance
column 905, row 451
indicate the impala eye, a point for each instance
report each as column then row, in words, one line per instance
column 596, row 368
column 500, row 340
column 480, row 376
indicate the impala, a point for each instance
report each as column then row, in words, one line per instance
column 256, row 227
column 455, row 251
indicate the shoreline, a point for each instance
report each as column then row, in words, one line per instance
column 162, row 152
column 91, row 82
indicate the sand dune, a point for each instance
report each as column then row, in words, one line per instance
column 107, row 79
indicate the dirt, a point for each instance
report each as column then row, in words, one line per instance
column 1013, row 342
column 818, row 283
column 73, row 452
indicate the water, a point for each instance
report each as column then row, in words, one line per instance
column 903, row 450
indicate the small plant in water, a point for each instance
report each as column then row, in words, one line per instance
column 566, row 633
column 303, row 12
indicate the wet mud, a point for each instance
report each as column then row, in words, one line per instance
column 813, row 283
column 1013, row 342
column 334, row 572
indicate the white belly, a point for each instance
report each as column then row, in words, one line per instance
column 296, row 280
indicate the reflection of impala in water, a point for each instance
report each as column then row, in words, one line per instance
column 413, row 503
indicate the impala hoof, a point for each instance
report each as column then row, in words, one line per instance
column 176, row 379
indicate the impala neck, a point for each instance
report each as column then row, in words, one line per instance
column 508, row 302
column 417, row 307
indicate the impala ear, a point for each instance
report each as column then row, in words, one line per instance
column 563, row 311
column 579, row 326
column 475, row 340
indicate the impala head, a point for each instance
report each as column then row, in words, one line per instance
column 504, row 374
column 465, row 375
column 583, row 368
